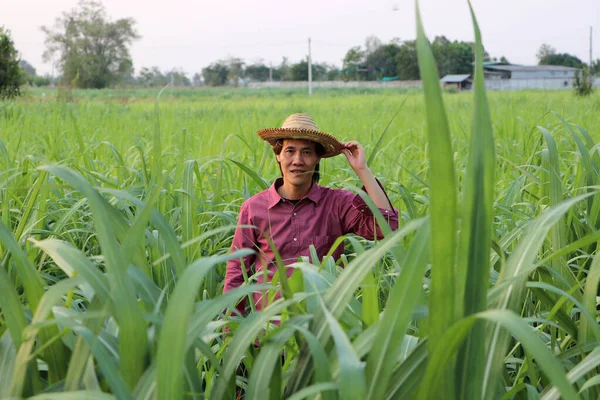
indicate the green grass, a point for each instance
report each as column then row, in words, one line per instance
column 117, row 217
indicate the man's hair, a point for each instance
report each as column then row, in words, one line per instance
column 320, row 150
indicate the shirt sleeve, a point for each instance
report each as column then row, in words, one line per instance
column 357, row 217
column 243, row 238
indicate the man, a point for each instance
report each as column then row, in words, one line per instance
column 295, row 212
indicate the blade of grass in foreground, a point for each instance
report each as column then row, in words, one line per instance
column 442, row 198
column 476, row 234
column 339, row 295
column 397, row 315
column 133, row 338
column 352, row 382
column 554, row 184
column 509, row 296
column 172, row 346
column 515, row 326
column 56, row 353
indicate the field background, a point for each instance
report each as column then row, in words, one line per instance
column 211, row 160
column 222, row 123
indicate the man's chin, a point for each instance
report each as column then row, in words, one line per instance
column 298, row 182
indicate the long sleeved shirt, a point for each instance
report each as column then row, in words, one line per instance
column 318, row 219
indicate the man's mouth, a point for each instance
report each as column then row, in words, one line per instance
column 297, row 171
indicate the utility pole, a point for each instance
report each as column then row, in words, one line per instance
column 591, row 60
column 309, row 70
column 271, row 71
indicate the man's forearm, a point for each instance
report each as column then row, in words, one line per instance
column 373, row 189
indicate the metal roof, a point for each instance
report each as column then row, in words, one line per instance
column 454, row 78
column 529, row 68
column 490, row 63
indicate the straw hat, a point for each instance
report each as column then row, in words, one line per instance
column 301, row 126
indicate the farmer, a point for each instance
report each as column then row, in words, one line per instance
column 295, row 212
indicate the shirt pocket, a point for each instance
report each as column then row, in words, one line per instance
column 322, row 244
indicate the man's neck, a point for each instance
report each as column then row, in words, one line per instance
column 292, row 192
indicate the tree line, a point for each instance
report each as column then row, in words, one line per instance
column 91, row 50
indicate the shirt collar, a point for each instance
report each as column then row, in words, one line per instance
column 314, row 194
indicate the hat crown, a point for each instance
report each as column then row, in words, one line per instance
column 299, row 121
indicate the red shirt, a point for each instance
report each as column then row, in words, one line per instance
column 319, row 218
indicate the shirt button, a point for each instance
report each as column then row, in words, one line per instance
column 294, row 213
column 295, row 239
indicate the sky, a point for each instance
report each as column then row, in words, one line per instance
column 190, row 35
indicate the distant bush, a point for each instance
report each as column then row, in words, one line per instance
column 583, row 84
column 11, row 75
column 41, row 81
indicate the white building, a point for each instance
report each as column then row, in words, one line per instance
column 529, row 72
column 518, row 77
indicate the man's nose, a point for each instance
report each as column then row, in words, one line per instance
column 298, row 159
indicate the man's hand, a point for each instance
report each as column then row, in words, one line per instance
column 355, row 154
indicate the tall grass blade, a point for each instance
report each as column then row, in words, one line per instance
column 515, row 325
column 262, row 370
column 586, row 328
column 56, row 355
column 380, row 140
column 339, row 295
column 473, row 269
column 172, row 348
column 442, row 198
column 243, row 338
column 132, row 327
column 407, row 376
column 518, row 266
column 352, row 381
column 396, row 317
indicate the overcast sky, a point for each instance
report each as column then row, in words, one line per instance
column 191, row 34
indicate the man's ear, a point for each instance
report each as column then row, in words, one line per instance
column 278, row 156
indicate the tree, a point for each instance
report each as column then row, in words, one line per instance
column 408, row 66
column 236, row 70
column 564, row 59
column 372, row 43
column 332, row 73
column 299, row 71
column 595, row 70
column 454, row 57
column 216, row 74
column 197, row 80
column 354, row 57
column 11, row 75
column 257, row 72
column 151, row 77
column 383, row 61
column 544, row 51
column 178, row 77
column 504, row 60
column 27, row 68
column 283, row 73
column 92, row 50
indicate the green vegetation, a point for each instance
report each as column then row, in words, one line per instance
column 91, row 50
column 11, row 75
column 116, row 220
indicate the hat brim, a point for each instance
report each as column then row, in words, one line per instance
column 332, row 146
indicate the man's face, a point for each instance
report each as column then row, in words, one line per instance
column 298, row 159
